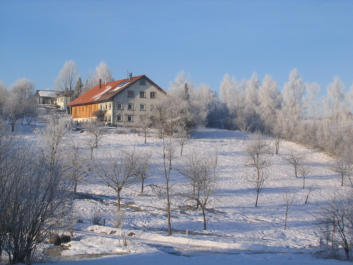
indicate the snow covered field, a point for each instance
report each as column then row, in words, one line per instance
column 234, row 224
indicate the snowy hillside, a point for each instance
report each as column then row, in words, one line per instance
column 234, row 224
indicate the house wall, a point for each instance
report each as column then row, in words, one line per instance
column 62, row 101
column 124, row 99
column 84, row 112
column 108, row 108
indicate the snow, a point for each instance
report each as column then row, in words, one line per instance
column 238, row 232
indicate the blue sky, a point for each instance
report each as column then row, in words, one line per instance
column 206, row 39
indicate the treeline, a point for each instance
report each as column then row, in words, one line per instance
column 298, row 112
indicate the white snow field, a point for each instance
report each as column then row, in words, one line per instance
column 238, row 232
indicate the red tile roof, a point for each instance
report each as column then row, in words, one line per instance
column 107, row 91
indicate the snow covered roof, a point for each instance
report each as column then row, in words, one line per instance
column 107, row 91
column 48, row 93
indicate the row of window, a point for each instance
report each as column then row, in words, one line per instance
column 119, row 118
column 131, row 94
column 131, row 106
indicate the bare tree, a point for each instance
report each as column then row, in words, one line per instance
column 277, row 143
column 51, row 138
column 295, row 160
column 257, row 150
column 117, row 173
column 145, row 124
column 20, row 103
column 38, row 196
column 288, row 199
column 95, row 135
column 142, row 165
column 343, row 168
column 67, row 77
column 182, row 135
column 168, row 156
column 304, row 172
column 307, row 195
column 75, row 166
column 201, row 174
column 336, row 225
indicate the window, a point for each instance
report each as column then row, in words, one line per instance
column 142, row 107
column 130, row 106
column 129, row 118
column 142, row 94
column 142, row 82
column 106, row 107
column 130, row 94
column 119, row 106
column 152, row 94
column 118, row 118
column 110, row 105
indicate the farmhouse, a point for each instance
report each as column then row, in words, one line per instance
column 120, row 101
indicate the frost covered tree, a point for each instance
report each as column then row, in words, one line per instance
column 201, row 174
column 102, row 73
column 292, row 108
column 295, row 160
column 142, row 166
column 95, row 135
column 117, row 173
column 258, row 150
column 39, row 200
column 269, row 103
column 3, row 97
column 336, row 225
column 145, row 124
column 20, row 103
column 67, row 77
column 304, row 172
column 75, row 165
column 343, row 168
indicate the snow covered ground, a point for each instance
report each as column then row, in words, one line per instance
column 235, row 226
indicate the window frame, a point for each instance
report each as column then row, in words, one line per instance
column 130, row 94
column 142, row 94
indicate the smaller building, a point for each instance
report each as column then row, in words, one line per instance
column 59, row 99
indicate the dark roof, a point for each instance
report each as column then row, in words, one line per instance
column 107, row 91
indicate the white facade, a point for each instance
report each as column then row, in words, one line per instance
column 135, row 100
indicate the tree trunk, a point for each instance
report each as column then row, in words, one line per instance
column 295, row 171
column 204, row 217
column 92, row 153
column 303, row 182
column 75, row 187
column 12, row 126
column 145, row 136
column 342, row 177
column 118, row 197
column 257, row 197
column 285, row 218
column 142, row 184
column 168, row 210
column 346, row 252
column 181, row 149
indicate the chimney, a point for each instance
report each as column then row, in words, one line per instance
column 130, row 76
column 100, row 83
